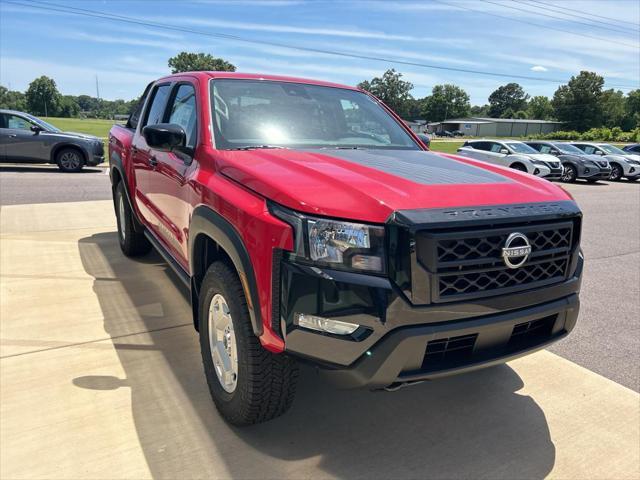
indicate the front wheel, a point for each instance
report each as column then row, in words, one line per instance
column 69, row 160
column 248, row 384
column 616, row 172
column 569, row 174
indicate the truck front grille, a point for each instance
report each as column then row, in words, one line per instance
column 467, row 262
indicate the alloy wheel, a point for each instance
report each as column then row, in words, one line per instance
column 222, row 343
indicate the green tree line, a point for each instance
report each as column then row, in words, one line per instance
column 582, row 104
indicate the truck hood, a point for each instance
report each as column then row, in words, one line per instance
column 369, row 185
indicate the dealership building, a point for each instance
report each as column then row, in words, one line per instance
column 495, row 127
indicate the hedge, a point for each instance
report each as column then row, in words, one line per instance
column 603, row 134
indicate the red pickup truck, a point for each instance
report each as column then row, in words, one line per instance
column 311, row 225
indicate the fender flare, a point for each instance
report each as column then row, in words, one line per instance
column 205, row 221
column 60, row 145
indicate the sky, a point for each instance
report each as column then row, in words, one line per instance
column 544, row 39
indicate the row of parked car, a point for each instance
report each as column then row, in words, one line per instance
column 562, row 161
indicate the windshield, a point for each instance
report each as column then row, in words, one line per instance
column 519, row 147
column 567, row 148
column 258, row 113
column 612, row 149
column 43, row 124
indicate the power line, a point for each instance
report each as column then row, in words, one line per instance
column 593, row 23
column 615, row 20
column 540, row 25
column 132, row 20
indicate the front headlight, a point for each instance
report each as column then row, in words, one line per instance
column 335, row 243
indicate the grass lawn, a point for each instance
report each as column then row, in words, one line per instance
column 90, row 126
column 446, row 147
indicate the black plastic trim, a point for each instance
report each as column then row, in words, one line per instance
column 176, row 267
column 205, row 221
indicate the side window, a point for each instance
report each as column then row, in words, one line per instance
column 496, row 147
column 182, row 112
column 155, row 112
column 588, row 149
column 479, row 145
column 542, row 148
column 14, row 122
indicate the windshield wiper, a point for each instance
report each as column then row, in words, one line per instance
column 344, row 148
column 256, row 147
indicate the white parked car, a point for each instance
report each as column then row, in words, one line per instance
column 513, row 154
column 623, row 164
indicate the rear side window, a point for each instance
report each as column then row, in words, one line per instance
column 479, row 145
column 155, row 112
column 183, row 112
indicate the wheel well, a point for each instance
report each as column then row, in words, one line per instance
column 519, row 164
column 56, row 150
column 205, row 251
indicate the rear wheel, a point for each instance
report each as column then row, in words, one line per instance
column 248, row 384
column 569, row 174
column 616, row 172
column 132, row 243
column 69, row 160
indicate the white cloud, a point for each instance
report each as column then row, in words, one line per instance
column 539, row 68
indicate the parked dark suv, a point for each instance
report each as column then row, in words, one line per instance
column 28, row 139
column 576, row 163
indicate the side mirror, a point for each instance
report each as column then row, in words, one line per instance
column 504, row 151
column 165, row 136
column 555, row 152
column 598, row 152
column 36, row 129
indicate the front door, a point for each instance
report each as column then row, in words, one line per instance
column 173, row 170
column 19, row 143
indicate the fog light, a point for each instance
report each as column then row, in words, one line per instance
column 632, row 170
column 327, row 325
column 536, row 171
column 586, row 170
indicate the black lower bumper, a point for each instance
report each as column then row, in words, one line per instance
column 95, row 160
column 428, row 352
column 401, row 342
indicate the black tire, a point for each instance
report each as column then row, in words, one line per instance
column 132, row 243
column 592, row 180
column 520, row 167
column 265, row 382
column 70, row 160
column 569, row 174
column 616, row 172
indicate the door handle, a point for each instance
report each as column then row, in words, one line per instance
column 153, row 161
column 13, row 135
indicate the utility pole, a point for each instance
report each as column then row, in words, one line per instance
column 97, row 88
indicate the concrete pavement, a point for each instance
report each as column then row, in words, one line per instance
column 101, row 377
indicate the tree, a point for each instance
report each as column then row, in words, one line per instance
column 613, row 108
column 68, row 107
column 632, row 117
column 43, row 97
column 507, row 97
column 392, row 90
column 12, row 99
column 192, row 62
column 540, row 108
column 578, row 103
column 480, row 110
column 445, row 101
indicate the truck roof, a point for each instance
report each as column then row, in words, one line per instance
column 258, row 76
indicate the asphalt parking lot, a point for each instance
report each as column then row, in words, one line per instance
column 101, row 374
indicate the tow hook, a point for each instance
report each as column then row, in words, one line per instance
column 394, row 387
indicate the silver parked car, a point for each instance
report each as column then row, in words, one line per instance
column 576, row 163
column 623, row 164
column 513, row 154
column 28, row 139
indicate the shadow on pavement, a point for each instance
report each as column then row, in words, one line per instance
column 474, row 425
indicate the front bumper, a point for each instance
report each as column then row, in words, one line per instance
column 95, row 160
column 593, row 172
column 633, row 171
column 401, row 342
column 554, row 173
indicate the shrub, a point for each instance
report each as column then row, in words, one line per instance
column 602, row 134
